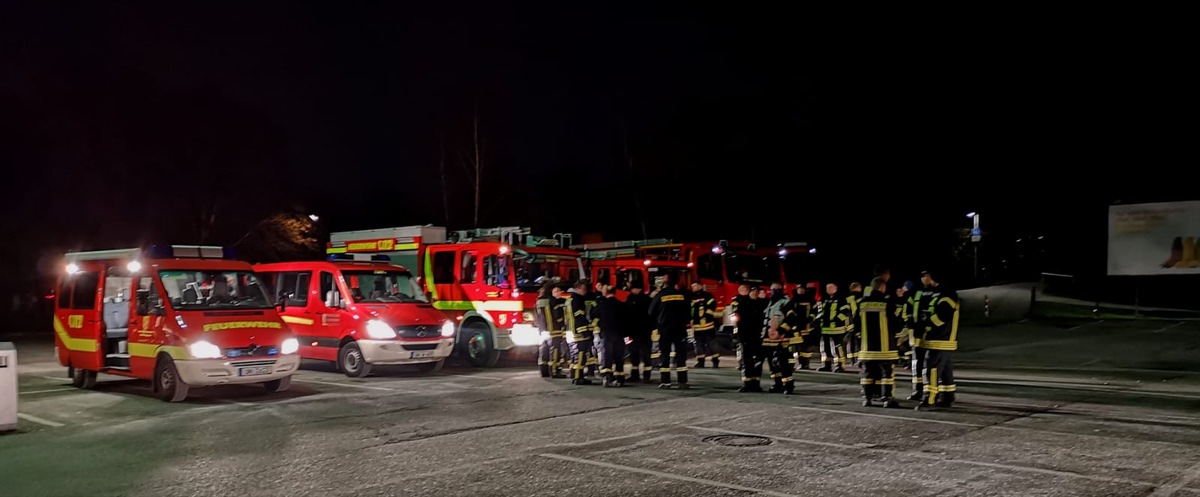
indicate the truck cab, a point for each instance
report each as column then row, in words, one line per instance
column 360, row 311
column 182, row 316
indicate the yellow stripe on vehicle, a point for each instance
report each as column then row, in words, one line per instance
column 71, row 343
column 480, row 305
column 296, row 320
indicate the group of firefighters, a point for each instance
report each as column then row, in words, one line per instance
column 876, row 328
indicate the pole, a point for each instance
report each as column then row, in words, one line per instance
column 1137, row 291
column 976, row 263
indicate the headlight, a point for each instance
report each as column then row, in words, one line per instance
column 204, row 350
column 379, row 329
column 448, row 329
column 289, row 346
column 525, row 334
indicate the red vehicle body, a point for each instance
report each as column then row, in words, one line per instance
column 359, row 313
column 181, row 316
column 473, row 279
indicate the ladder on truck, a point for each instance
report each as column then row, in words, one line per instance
column 613, row 250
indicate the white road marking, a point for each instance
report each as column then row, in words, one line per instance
column 1165, row 328
column 660, row 474
column 940, row 459
column 234, row 402
column 1168, row 489
column 888, row 416
column 54, row 378
column 48, row 391
column 1073, row 328
column 35, row 419
column 351, row 385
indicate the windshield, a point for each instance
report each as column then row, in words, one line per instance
column 750, row 268
column 683, row 276
column 381, row 285
column 533, row 270
column 208, row 289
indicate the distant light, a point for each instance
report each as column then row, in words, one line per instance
column 812, row 250
column 1019, row 240
column 782, row 252
column 691, row 264
column 314, row 217
column 1040, row 237
column 646, row 262
column 134, row 266
column 716, row 249
column 971, row 214
column 503, row 249
column 72, row 268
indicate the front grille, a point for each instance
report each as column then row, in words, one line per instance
column 252, row 363
column 421, row 346
column 420, row 331
column 251, row 351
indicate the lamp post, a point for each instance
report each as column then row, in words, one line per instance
column 976, row 235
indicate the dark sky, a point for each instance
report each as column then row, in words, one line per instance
column 124, row 123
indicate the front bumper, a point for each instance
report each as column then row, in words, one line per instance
column 205, row 372
column 399, row 352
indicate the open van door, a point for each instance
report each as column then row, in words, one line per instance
column 77, row 317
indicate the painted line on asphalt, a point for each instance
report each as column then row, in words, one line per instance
column 234, row 402
column 888, row 416
column 940, row 459
column 1114, row 390
column 351, row 385
column 35, row 419
column 54, row 378
column 1073, row 328
column 1165, row 328
column 660, row 474
column 1169, row 488
column 48, row 391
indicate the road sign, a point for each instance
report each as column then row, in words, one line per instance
column 976, row 234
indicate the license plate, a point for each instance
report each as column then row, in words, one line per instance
column 254, row 371
column 422, row 354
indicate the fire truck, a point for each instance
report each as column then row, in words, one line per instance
column 181, row 316
column 484, row 279
column 623, row 266
column 357, row 311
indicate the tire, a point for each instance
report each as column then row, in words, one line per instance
column 478, row 347
column 167, row 383
column 431, row 367
column 82, row 378
column 280, row 385
column 352, row 362
column 71, row 372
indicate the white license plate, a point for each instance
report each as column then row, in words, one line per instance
column 254, row 371
column 422, row 354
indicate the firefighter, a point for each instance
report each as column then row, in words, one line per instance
column 579, row 332
column 610, row 320
column 747, row 313
column 549, row 312
column 591, row 299
column 918, row 305
column 834, row 320
column 851, row 341
column 639, row 334
column 900, row 323
column 877, row 349
column 776, row 345
column 669, row 309
column 798, row 318
column 939, row 342
column 704, row 324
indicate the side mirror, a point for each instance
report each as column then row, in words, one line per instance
column 282, row 303
column 333, row 299
column 158, row 310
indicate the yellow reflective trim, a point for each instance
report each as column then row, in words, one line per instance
column 71, row 343
column 936, row 321
column 143, row 349
column 335, row 250
column 939, row 344
column 950, row 300
column 671, row 298
column 242, row 324
column 296, row 320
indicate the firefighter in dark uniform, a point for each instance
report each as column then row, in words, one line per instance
column 851, row 340
column 748, row 312
column 798, row 319
column 639, row 327
column 834, row 321
column 704, row 324
column 669, row 309
column 591, row 298
column 776, row 344
column 918, row 315
column 900, row 323
column 610, row 321
column 579, row 332
column 549, row 318
column 939, row 342
column 877, row 346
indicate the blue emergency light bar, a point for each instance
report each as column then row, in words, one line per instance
column 189, row 252
column 359, row 257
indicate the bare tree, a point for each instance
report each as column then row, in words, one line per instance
column 445, row 186
column 474, row 164
column 637, row 190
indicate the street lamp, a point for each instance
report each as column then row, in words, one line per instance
column 976, row 235
column 314, row 217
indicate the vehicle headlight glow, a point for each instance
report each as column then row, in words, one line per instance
column 525, row 334
column 289, row 346
column 448, row 329
column 204, row 350
column 379, row 329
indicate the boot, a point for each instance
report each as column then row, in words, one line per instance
column 890, row 403
column 715, row 362
column 839, row 368
column 825, row 367
column 916, row 395
column 545, row 370
column 635, row 375
column 944, row 400
column 867, row 403
column 683, row 384
column 646, row 377
column 558, row 374
column 777, row 387
column 665, row 380
column 789, row 387
column 620, row 380
column 609, row 381
column 699, row 362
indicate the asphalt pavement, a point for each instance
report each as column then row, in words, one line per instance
column 1088, row 408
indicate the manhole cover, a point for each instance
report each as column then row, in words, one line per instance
column 738, row 440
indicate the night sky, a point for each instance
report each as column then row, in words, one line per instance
column 127, row 123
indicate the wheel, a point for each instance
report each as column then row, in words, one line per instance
column 82, row 378
column 477, row 343
column 167, row 383
column 352, row 362
column 431, row 367
column 275, row 386
column 71, row 372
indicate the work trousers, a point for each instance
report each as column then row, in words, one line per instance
column 878, row 379
column 918, row 370
column 751, row 352
column 672, row 347
column 781, row 363
column 639, row 353
column 550, row 357
column 581, row 355
column 704, row 344
column 938, row 376
column 613, row 358
column 832, row 351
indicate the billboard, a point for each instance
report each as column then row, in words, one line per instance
column 1154, row 239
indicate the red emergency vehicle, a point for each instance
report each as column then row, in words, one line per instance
column 181, row 316
column 612, row 264
column 357, row 311
column 472, row 278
